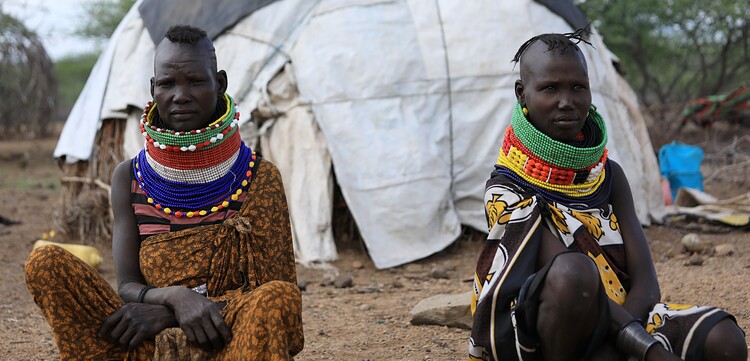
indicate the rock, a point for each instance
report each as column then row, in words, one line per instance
column 24, row 161
column 439, row 272
column 439, row 342
column 302, row 284
column 357, row 265
column 368, row 289
column 692, row 243
column 413, row 268
column 343, row 281
column 365, row 307
column 397, row 284
column 445, row 310
column 724, row 250
column 695, row 260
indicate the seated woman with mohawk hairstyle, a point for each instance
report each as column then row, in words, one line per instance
column 202, row 242
column 566, row 272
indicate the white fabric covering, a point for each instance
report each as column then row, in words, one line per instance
column 407, row 99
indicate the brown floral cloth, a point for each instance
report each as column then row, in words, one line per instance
column 246, row 261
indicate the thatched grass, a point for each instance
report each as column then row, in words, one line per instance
column 86, row 215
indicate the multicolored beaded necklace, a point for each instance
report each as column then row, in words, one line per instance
column 193, row 173
column 568, row 173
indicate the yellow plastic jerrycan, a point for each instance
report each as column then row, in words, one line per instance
column 88, row 254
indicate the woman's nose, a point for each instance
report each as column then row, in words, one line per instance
column 565, row 101
column 181, row 95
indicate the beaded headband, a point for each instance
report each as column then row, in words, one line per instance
column 197, row 172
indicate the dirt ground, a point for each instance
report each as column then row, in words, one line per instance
column 369, row 321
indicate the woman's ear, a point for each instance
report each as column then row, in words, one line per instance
column 520, row 97
column 221, row 78
column 152, row 87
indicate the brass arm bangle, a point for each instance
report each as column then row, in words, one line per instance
column 142, row 293
column 634, row 340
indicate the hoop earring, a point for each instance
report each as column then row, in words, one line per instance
column 525, row 111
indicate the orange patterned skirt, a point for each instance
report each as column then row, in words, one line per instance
column 75, row 299
column 246, row 262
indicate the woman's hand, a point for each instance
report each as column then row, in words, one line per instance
column 135, row 323
column 607, row 352
column 199, row 318
column 659, row 353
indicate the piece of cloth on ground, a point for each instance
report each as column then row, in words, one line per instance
column 692, row 204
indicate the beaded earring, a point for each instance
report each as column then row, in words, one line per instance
column 525, row 111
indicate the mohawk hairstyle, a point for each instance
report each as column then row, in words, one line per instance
column 563, row 42
column 185, row 34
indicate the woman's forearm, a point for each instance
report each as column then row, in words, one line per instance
column 641, row 300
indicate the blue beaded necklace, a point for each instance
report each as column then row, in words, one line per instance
column 188, row 196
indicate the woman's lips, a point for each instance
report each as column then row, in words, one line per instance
column 565, row 122
column 182, row 114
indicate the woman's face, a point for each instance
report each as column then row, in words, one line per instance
column 554, row 87
column 186, row 85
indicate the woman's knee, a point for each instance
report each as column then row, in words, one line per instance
column 281, row 290
column 41, row 264
column 272, row 296
column 725, row 341
column 572, row 277
column 571, row 307
column 271, row 304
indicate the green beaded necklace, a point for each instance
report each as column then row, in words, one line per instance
column 558, row 153
column 208, row 136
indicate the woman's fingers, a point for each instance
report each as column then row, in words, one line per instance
column 201, row 339
column 218, row 322
column 212, row 324
column 105, row 331
column 125, row 339
column 136, row 341
column 202, row 322
column 118, row 332
column 189, row 334
column 214, row 338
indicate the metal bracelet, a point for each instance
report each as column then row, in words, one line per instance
column 142, row 293
column 634, row 340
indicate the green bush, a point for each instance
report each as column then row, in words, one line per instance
column 72, row 73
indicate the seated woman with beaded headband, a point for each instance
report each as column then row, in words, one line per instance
column 202, row 241
column 566, row 273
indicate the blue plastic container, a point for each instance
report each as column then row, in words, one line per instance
column 680, row 164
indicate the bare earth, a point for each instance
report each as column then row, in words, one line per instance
column 369, row 321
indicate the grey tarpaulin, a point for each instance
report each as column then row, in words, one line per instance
column 571, row 13
column 213, row 16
